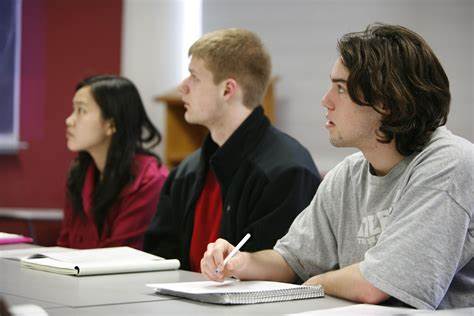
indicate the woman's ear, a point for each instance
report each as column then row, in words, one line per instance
column 111, row 129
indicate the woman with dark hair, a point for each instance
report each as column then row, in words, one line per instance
column 114, row 183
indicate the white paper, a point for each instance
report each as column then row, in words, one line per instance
column 9, row 235
column 113, row 254
column 228, row 286
column 98, row 261
column 27, row 310
column 128, row 266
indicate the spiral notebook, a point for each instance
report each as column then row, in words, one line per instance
column 232, row 292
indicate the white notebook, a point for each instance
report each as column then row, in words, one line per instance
column 98, row 261
column 238, row 292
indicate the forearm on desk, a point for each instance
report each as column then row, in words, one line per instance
column 266, row 265
column 349, row 283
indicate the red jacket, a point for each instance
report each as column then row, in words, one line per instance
column 127, row 220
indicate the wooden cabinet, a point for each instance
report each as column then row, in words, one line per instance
column 182, row 138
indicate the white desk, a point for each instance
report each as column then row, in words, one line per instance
column 87, row 290
column 20, row 300
column 126, row 294
column 185, row 307
column 32, row 214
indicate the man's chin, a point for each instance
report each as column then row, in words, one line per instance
column 190, row 119
column 337, row 142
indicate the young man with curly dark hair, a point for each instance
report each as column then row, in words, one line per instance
column 394, row 222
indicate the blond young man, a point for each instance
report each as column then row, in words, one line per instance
column 393, row 223
column 248, row 177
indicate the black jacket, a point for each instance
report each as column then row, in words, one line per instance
column 267, row 178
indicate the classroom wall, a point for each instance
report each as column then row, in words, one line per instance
column 301, row 37
column 62, row 42
column 152, row 51
column 65, row 40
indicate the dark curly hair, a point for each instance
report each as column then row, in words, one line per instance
column 393, row 70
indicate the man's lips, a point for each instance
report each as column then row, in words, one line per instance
column 329, row 123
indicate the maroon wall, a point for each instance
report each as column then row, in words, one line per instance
column 62, row 42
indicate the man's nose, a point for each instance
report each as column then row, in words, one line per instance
column 326, row 102
column 183, row 87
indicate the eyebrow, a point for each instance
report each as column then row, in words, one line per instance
column 338, row 80
column 78, row 102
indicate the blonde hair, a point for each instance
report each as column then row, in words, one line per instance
column 238, row 54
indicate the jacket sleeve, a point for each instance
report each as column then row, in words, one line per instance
column 136, row 211
column 278, row 204
column 162, row 237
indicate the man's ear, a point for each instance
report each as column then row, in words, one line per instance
column 111, row 129
column 382, row 109
column 230, row 88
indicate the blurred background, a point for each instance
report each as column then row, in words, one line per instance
column 60, row 42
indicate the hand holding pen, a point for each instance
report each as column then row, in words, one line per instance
column 213, row 264
column 232, row 253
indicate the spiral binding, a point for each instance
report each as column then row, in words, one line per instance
column 298, row 293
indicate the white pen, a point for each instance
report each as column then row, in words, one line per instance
column 234, row 251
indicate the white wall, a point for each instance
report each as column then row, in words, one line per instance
column 301, row 37
column 152, row 50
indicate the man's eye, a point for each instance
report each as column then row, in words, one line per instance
column 340, row 89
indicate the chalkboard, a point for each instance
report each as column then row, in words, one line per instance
column 10, row 37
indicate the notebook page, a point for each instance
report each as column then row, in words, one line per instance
column 117, row 254
column 91, row 268
column 228, row 286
